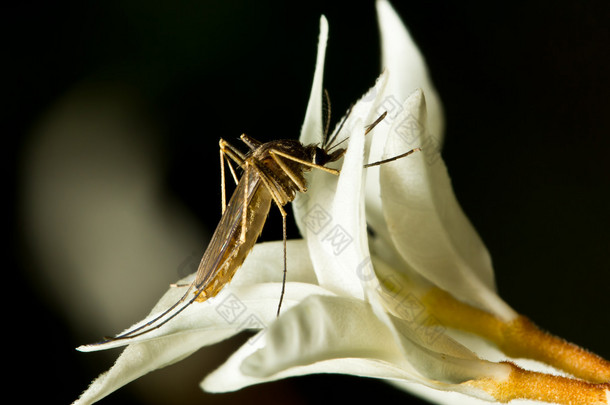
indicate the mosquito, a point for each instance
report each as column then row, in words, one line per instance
column 273, row 172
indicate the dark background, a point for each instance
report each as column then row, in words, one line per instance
column 526, row 94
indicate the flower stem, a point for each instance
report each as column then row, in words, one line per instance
column 518, row 338
column 524, row 384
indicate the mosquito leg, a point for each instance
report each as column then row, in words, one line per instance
column 232, row 152
column 226, row 150
column 176, row 285
column 370, row 127
column 278, row 198
column 279, row 305
column 232, row 172
column 152, row 324
column 223, row 189
column 244, row 219
column 250, row 142
column 304, row 162
column 289, row 172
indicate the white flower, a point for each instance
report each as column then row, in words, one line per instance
column 392, row 305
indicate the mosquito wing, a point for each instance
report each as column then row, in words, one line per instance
column 226, row 251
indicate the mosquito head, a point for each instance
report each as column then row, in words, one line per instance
column 321, row 157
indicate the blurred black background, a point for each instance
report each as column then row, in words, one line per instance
column 526, row 93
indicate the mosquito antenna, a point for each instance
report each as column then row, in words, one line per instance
column 392, row 158
column 367, row 129
column 336, row 145
column 334, row 135
column 370, row 127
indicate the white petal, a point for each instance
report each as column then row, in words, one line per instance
column 363, row 110
column 263, row 267
column 218, row 313
column 321, row 328
column 318, row 336
column 445, row 397
column 407, row 68
column 330, row 214
column 229, row 377
column 311, row 131
column 201, row 324
column 333, row 222
column 334, row 334
column 141, row 358
column 426, row 222
column 265, row 263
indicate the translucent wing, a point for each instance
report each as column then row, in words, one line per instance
column 225, row 252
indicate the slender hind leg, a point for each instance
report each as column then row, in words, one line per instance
column 279, row 305
column 226, row 150
column 275, row 153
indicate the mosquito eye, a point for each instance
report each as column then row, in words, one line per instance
column 320, row 157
